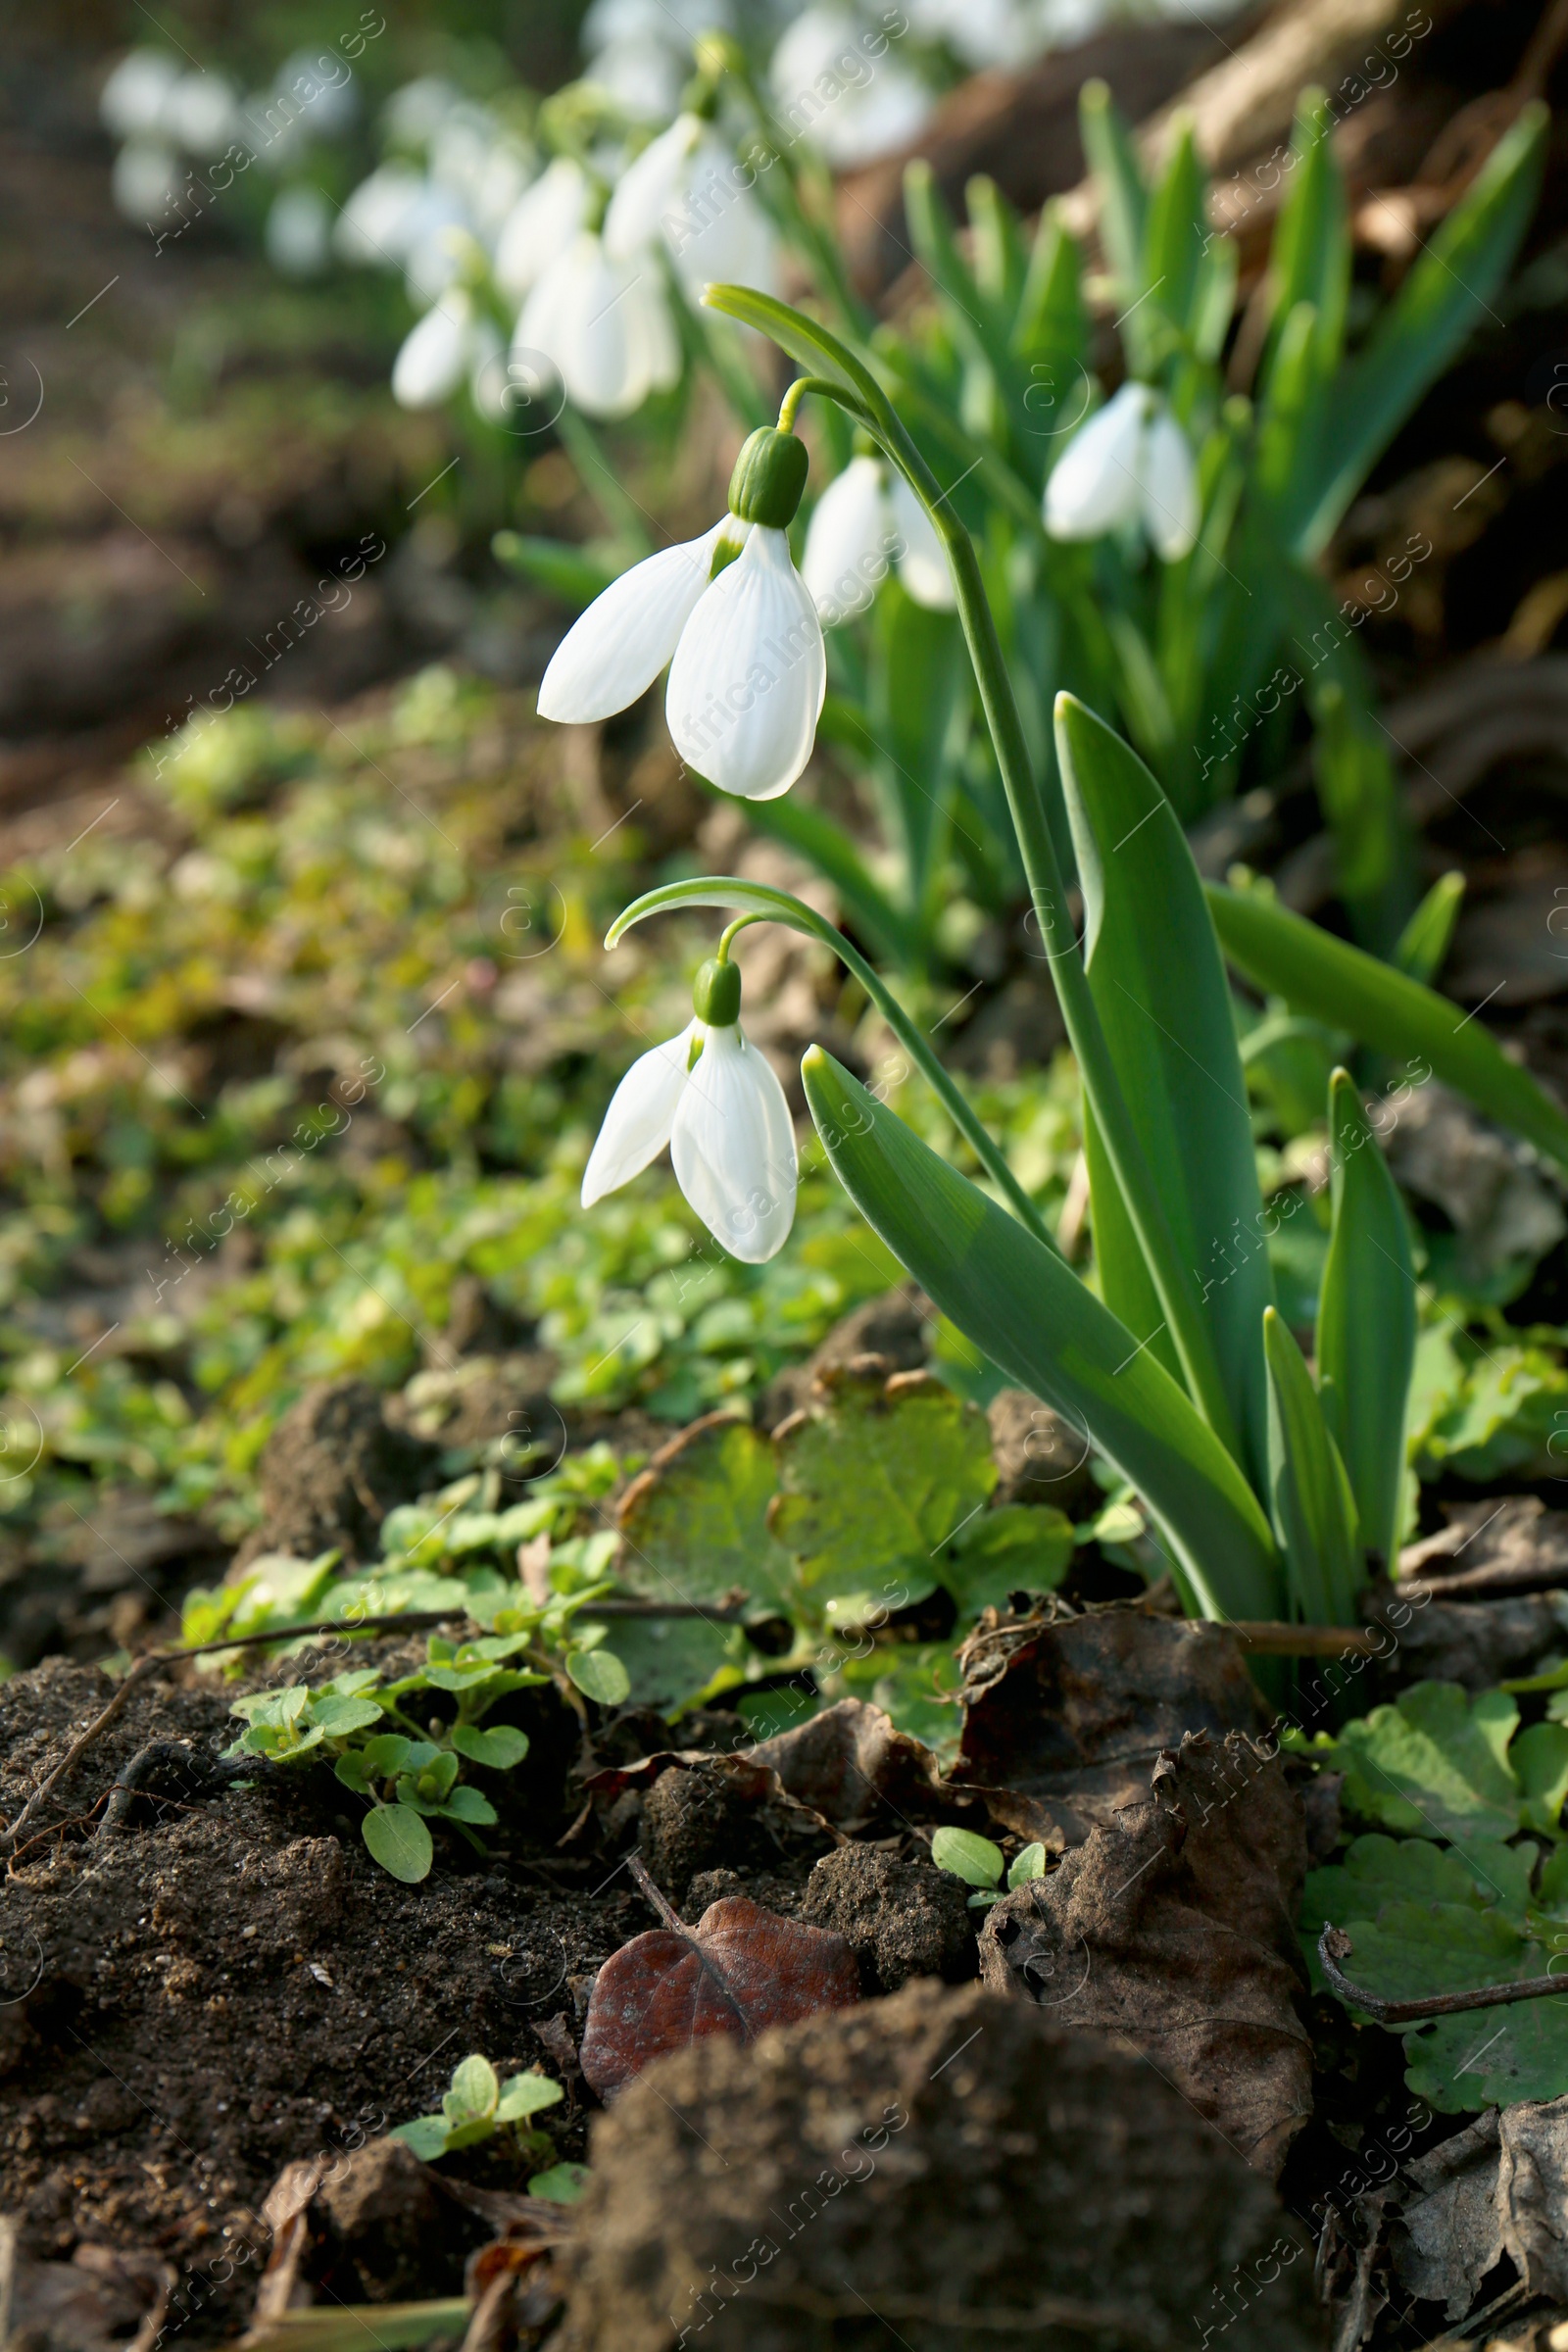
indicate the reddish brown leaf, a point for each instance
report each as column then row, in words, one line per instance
column 740, row 1970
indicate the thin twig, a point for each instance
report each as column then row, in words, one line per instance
column 79, row 1746
column 665, row 1909
column 1334, row 1945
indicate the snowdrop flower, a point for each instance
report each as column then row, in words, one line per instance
column 716, row 1100
column 1128, row 464
column 604, row 328
column 831, row 89
column 686, row 188
column 447, row 344
column 868, row 515
column 331, row 105
column 202, row 113
column 131, row 102
column 369, row 229
column 146, row 182
column 544, row 219
column 737, row 625
column 299, row 232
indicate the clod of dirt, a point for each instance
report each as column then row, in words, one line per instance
column 394, row 2235
column 1040, row 1457
column 900, row 1919
column 739, row 1970
column 1065, row 1714
column 700, row 1817
column 947, row 2164
column 1174, row 1928
column 1485, row 1183
column 91, row 2303
column 896, row 1328
column 331, row 1470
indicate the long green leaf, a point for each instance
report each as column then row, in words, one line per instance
column 778, row 906
column 567, row 573
column 1123, row 199
column 1314, row 1513
column 1039, row 1323
column 1440, row 302
column 1424, row 942
column 1382, row 1008
column 1175, row 232
column 1309, row 260
column 1156, row 974
column 1367, row 1320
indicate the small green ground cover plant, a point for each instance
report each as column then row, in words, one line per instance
column 477, row 2106
column 1460, row 1879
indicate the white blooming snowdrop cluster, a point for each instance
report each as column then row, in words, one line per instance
column 737, row 625
column 639, row 52
column 175, row 119
column 1129, row 465
column 864, row 520
column 713, row 1098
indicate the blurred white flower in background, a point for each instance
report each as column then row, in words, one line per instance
column 687, row 190
column 604, row 326
column 299, row 232
column 865, row 519
column 1129, row 465
column 131, row 102
column 640, row 51
column 146, row 182
column 540, row 226
column 830, row 89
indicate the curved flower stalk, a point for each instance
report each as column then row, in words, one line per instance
column 864, row 520
column 686, row 193
column 714, row 1099
column 1130, row 464
column 748, row 674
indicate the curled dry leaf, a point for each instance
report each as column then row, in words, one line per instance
column 1064, row 1713
column 740, row 1970
column 1172, row 1928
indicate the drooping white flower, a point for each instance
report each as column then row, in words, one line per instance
column 1130, row 464
column 331, row 101
column 147, row 182
column 131, row 102
column 604, row 328
column 687, row 190
column 201, row 113
column 438, row 352
column 748, row 672
column 864, row 520
column 831, row 89
column 540, row 225
column 713, row 1097
column 369, row 227
column 299, row 232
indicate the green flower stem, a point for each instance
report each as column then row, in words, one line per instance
column 783, row 908
column 858, row 390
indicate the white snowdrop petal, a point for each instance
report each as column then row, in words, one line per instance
column 733, row 1148
column 746, row 682
column 848, row 541
column 642, row 1113
column 648, row 186
column 923, row 562
column 1169, row 477
column 431, row 364
column 1096, row 485
column 544, row 219
column 583, row 316
column 617, row 648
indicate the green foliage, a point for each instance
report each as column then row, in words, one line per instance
column 1437, row 1763
column 477, row 2106
column 981, row 1865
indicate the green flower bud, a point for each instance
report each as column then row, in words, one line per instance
column 716, row 994
column 768, row 479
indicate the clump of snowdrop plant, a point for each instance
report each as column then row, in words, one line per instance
column 738, row 626
column 713, row 1098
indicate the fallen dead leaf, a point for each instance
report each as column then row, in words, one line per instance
column 740, row 1970
column 1174, row 1928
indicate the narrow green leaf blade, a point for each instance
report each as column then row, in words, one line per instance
column 1423, row 944
column 1309, row 260
column 1038, row 1322
column 1123, row 199
column 1158, row 979
column 570, row 575
column 1381, row 1007
column 1307, row 1484
column 1440, row 302
column 1366, row 1319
